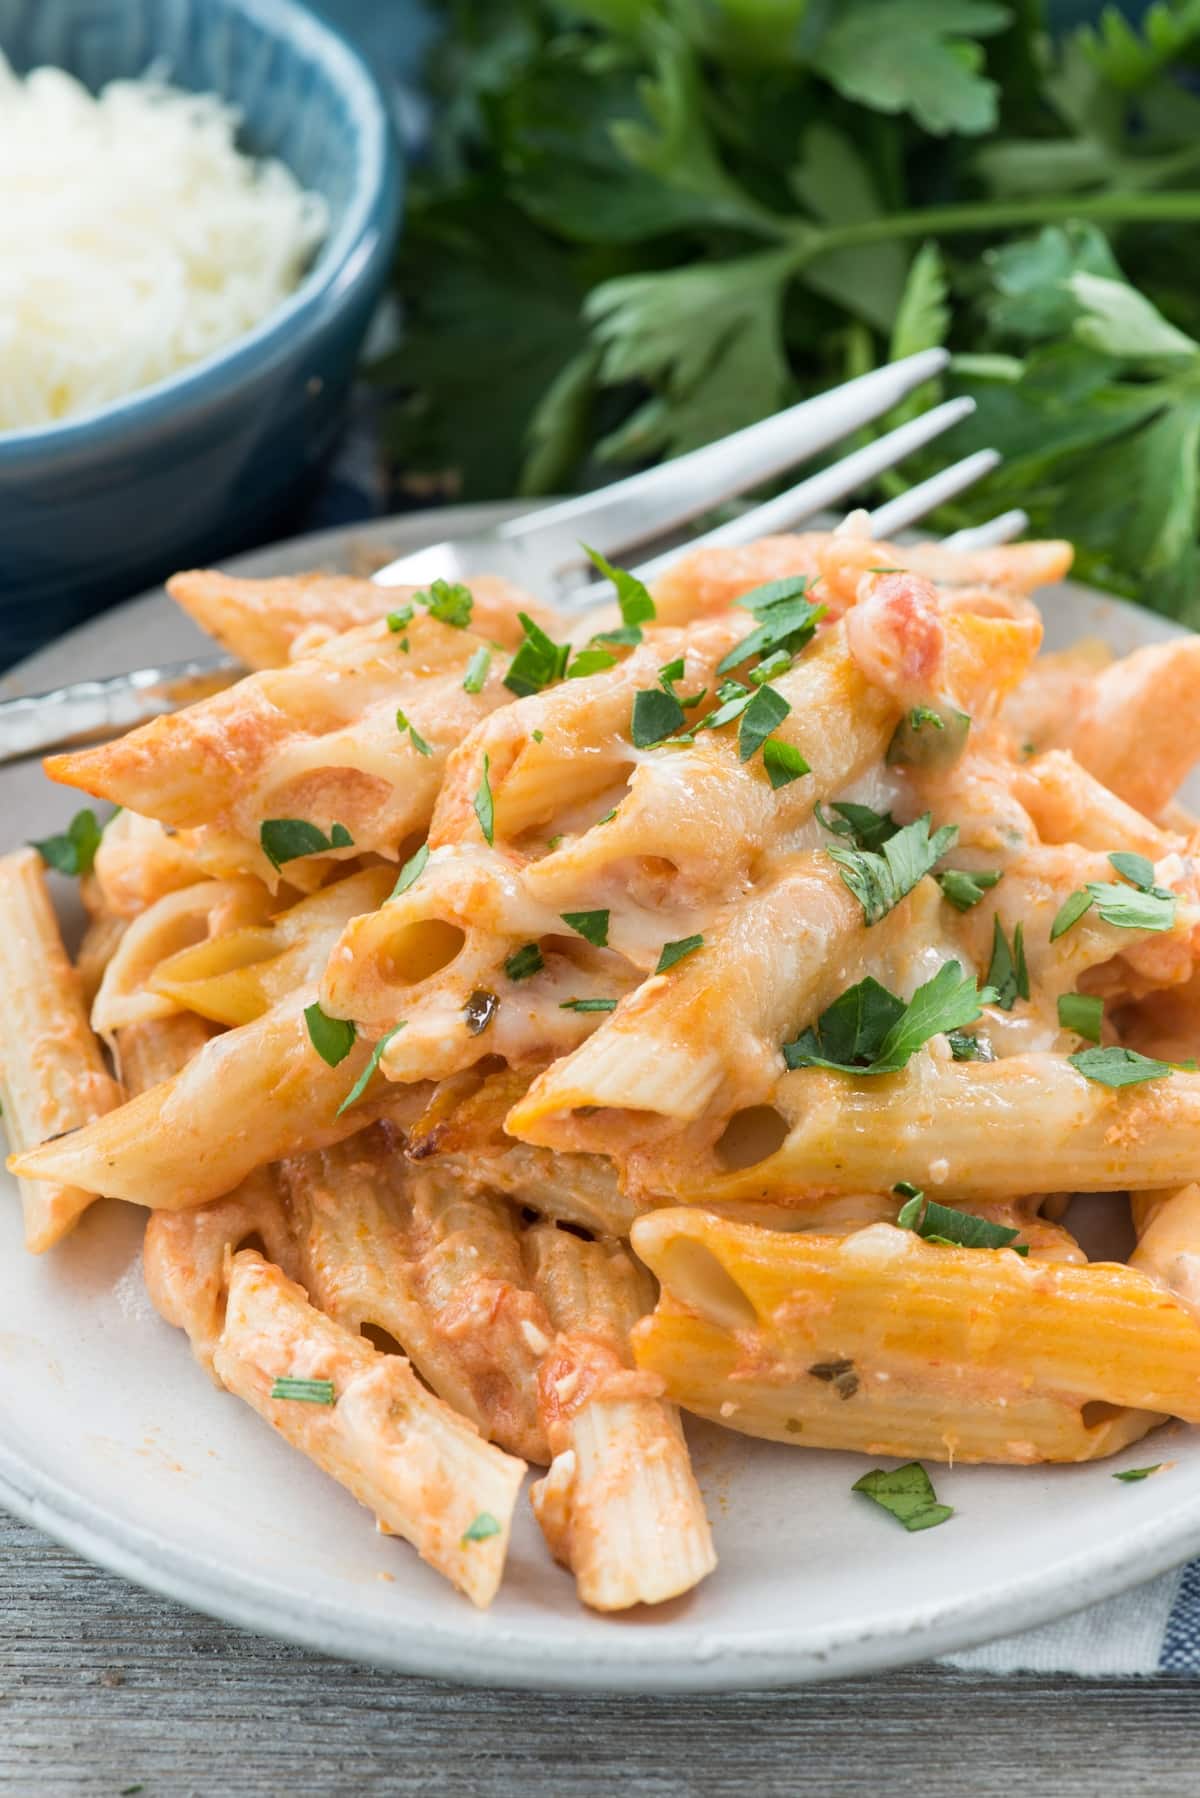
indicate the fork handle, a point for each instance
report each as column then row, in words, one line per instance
column 89, row 709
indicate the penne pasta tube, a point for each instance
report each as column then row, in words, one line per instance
column 248, row 1098
column 568, row 1189
column 186, row 1256
column 956, row 1129
column 263, row 621
column 1168, row 1245
column 887, row 1344
column 100, row 942
column 238, row 973
column 424, row 1471
column 473, row 966
column 1069, row 805
column 138, row 860
column 157, row 1049
column 620, row 1505
column 194, row 914
column 52, row 1074
column 1136, row 726
column 434, row 1267
column 317, row 742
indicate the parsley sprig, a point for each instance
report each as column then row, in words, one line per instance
column 1140, row 905
column 879, row 879
column 869, row 1030
column 74, row 850
column 953, row 1229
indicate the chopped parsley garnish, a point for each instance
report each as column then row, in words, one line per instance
column 477, row 670
column 778, row 662
column 447, row 601
column 866, row 829
column 591, row 925
column 637, row 607
column 1082, row 1013
column 673, row 952
column 1140, row 906
column 965, row 1047
column 400, row 620
column 1128, row 1475
column 485, row 811
column 907, row 1492
column 625, row 636
column 783, row 763
column 764, row 714
column 538, row 663
column 524, row 963
column 668, row 674
column 537, row 735
column 360, row 1085
column 418, row 741
column 411, row 871
column 786, row 621
column 656, row 714
column 480, row 1009
column 588, row 1005
column 481, row 1527
column 74, row 851
column 288, row 839
column 1118, row 1067
column 1007, row 971
column 309, row 1392
column 590, row 661
column 965, row 887
column 332, row 1038
column 868, row 1030
column 952, row 1229
column 925, row 738
column 879, row 880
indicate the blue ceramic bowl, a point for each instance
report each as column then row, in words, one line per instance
column 223, row 454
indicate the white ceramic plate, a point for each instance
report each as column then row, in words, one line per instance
column 115, row 1442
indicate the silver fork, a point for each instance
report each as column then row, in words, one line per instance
column 542, row 550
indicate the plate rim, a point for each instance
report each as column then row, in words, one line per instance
column 777, row 1657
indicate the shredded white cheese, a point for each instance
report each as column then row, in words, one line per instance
column 135, row 239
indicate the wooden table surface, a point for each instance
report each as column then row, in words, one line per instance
column 104, row 1688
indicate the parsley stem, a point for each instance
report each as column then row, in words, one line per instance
column 992, row 215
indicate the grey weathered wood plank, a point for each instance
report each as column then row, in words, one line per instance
column 103, row 1686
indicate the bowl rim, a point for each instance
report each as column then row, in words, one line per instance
column 345, row 260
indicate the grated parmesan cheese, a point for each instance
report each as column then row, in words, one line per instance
column 135, row 239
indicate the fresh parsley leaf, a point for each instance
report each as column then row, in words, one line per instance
column 591, row 925
column 1082, row 1013
column 411, row 871
column 538, row 736
column 1128, row 908
column 1118, row 1067
column 868, row 1030
column 539, row 661
column 866, row 829
column 965, row 887
column 289, row 839
column 765, row 713
column 637, row 607
column 967, row 1047
column 783, row 763
column 523, row 963
column 360, row 1085
column 332, row 1038
column 879, row 880
column 1136, row 868
column 418, row 741
column 1130, row 1475
column 482, row 804
column 928, row 739
column 590, row 661
column 673, row 952
column 734, row 699
column 1069, row 913
column 787, row 621
column 655, row 715
column 449, row 602
column 480, row 1009
column 956, row 1229
column 400, row 620
column 74, row 851
column 588, row 1005
column 907, row 1492
column 308, row 1392
column 480, row 1528
column 477, row 670
column 1008, row 973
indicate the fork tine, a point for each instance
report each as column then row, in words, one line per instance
column 986, row 536
column 648, row 504
column 926, row 496
column 820, row 490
